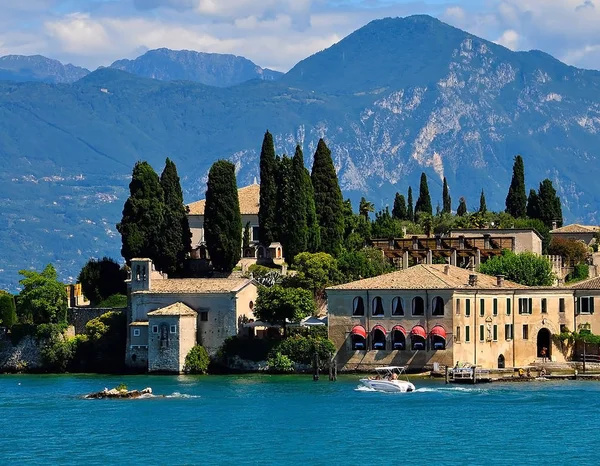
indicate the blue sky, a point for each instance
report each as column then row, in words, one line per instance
column 279, row 33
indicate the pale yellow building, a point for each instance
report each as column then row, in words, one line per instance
column 167, row 317
column 444, row 314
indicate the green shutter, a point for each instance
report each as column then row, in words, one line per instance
column 591, row 305
column 468, row 307
column 495, row 332
column 578, row 305
column 467, row 333
column 495, row 307
column 508, row 306
column 481, row 333
column 481, row 307
column 520, row 305
column 530, row 305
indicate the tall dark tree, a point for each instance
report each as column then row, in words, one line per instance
column 268, row 191
column 550, row 206
column 423, row 204
column 176, row 238
column 446, row 199
column 533, row 205
column 222, row 218
column 399, row 210
column 516, row 200
column 8, row 310
column 410, row 213
column 313, row 239
column 101, row 279
column 462, row 207
column 482, row 204
column 328, row 200
column 141, row 226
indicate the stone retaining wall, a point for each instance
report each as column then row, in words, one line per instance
column 79, row 316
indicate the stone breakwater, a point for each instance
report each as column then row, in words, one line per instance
column 114, row 393
column 22, row 357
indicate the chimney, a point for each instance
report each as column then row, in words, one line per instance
column 473, row 280
column 447, row 269
column 500, row 280
column 403, row 232
column 554, row 225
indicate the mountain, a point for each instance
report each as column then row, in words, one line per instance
column 37, row 68
column 393, row 99
column 213, row 69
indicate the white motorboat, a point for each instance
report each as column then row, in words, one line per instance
column 388, row 380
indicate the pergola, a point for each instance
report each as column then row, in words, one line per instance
column 424, row 249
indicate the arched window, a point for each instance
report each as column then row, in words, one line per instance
column 438, row 338
column 437, row 307
column 397, row 306
column 358, row 306
column 398, row 338
column 377, row 306
column 418, row 306
column 378, row 334
column 359, row 338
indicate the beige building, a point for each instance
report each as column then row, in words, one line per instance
column 167, row 317
column 443, row 314
column 584, row 233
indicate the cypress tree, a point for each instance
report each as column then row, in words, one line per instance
column 399, row 210
column 8, row 310
column 328, row 200
column 446, row 199
column 516, row 200
column 424, row 201
column 176, row 237
column 533, row 205
column 462, row 207
column 222, row 218
column 550, row 206
column 410, row 214
column 246, row 237
column 268, row 191
column 313, row 239
column 482, row 204
column 141, row 226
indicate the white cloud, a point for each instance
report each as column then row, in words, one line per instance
column 509, row 39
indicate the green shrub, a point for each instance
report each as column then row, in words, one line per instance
column 314, row 331
column 121, row 387
column 302, row 349
column 197, row 361
column 280, row 363
column 57, row 354
column 50, row 331
column 104, row 348
column 117, row 301
column 580, row 272
column 20, row 331
column 252, row 349
column 8, row 310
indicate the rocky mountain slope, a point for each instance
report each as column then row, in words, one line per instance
column 213, row 69
column 395, row 98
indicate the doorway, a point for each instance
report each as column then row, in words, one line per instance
column 501, row 362
column 543, row 343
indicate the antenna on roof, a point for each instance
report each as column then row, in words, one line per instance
column 255, row 181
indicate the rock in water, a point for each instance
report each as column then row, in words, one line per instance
column 114, row 393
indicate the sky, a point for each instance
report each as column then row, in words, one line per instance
column 278, row 33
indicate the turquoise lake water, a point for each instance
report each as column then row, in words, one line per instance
column 295, row 421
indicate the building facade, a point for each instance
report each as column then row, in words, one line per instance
column 167, row 317
column 444, row 314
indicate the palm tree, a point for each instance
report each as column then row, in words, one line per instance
column 365, row 207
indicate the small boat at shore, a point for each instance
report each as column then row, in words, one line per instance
column 388, row 380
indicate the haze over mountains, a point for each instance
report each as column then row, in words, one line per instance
column 393, row 99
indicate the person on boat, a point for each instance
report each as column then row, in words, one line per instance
column 528, row 372
column 521, row 372
column 394, row 376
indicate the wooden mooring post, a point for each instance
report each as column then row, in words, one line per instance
column 316, row 367
column 332, row 370
column 447, row 375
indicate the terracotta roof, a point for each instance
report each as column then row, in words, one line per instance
column 197, row 285
column 591, row 284
column 423, row 276
column 177, row 309
column 576, row 228
column 249, row 201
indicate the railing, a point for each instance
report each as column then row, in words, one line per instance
column 589, row 358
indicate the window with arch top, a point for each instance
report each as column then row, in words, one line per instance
column 377, row 306
column 358, row 306
column 397, row 306
column 418, row 306
column 437, row 308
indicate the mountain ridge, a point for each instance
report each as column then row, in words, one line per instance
column 69, row 149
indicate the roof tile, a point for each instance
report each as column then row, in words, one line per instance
column 249, row 201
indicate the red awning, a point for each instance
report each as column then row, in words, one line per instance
column 381, row 328
column 399, row 328
column 359, row 330
column 419, row 331
column 439, row 331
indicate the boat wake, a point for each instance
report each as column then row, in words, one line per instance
column 449, row 389
column 176, row 395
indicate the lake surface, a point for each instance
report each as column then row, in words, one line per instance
column 292, row 420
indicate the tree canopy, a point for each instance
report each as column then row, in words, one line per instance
column 516, row 200
column 525, row 268
column 277, row 304
column 268, row 191
column 328, row 200
column 399, row 211
column 462, row 207
column 8, row 310
column 101, row 279
column 141, row 226
column 176, row 237
column 222, row 218
column 314, row 272
column 423, row 204
column 43, row 299
column 482, row 203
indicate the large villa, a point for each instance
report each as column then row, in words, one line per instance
column 444, row 314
